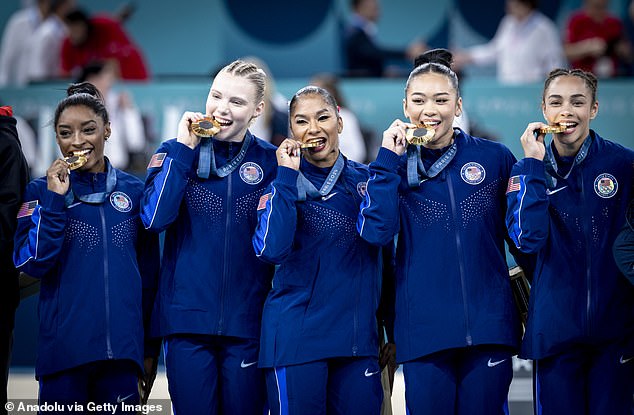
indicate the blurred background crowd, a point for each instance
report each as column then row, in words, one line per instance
column 152, row 59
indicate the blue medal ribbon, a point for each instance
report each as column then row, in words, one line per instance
column 416, row 172
column 305, row 187
column 550, row 163
column 97, row 197
column 207, row 160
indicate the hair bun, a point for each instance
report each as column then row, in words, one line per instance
column 84, row 88
column 439, row 56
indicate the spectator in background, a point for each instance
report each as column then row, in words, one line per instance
column 272, row 125
column 363, row 54
column 595, row 40
column 526, row 46
column 100, row 38
column 351, row 141
column 15, row 46
column 12, row 182
column 127, row 139
column 46, row 43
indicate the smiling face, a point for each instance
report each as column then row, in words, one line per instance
column 432, row 100
column 232, row 102
column 569, row 100
column 313, row 118
column 79, row 128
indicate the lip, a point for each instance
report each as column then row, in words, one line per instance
column 430, row 124
column 569, row 125
column 223, row 122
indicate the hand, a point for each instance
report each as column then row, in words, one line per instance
column 394, row 137
column 58, row 177
column 534, row 145
column 185, row 134
column 150, row 366
column 594, row 47
column 289, row 154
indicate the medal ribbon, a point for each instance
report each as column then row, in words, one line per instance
column 416, row 172
column 97, row 197
column 550, row 163
column 305, row 187
column 207, row 160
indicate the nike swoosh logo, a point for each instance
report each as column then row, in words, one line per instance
column 243, row 365
column 120, row 399
column 368, row 374
column 624, row 361
column 490, row 363
column 324, row 198
column 552, row 192
column 73, row 205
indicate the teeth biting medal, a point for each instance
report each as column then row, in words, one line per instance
column 420, row 135
column 76, row 159
column 207, row 127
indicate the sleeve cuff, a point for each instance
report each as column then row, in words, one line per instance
column 53, row 202
column 287, row 176
column 183, row 154
column 533, row 167
column 387, row 159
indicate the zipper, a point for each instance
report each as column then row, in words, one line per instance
column 463, row 284
column 588, row 242
column 106, row 282
column 225, row 257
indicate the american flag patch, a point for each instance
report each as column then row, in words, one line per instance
column 263, row 199
column 157, row 160
column 27, row 208
column 514, row 184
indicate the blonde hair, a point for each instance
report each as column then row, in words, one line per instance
column 251, row 72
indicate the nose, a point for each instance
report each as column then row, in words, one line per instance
column 222, row 106
column 313, row 126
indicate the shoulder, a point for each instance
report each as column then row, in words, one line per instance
column 129, row 183
column 612, row 149
column 357, row 169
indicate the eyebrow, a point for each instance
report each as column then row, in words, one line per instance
column 230, row 97
column 321, row 111
column 572, row 96
column 82, row 124
column 434, row 95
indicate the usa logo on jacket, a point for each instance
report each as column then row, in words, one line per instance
column 251, row 173
column 605, row 185
column 121, row 201
column 473, row 173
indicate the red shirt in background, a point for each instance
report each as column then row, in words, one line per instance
column 582, row 27
column 106, row 41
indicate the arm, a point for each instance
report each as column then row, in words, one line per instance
column 277, row 212
column 167, row 176
column 40, row 233
column 277, row 218
column 623, row 249
column 378, row 219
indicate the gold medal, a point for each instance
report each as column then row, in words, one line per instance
column 314, row 142
column 553, row 129
column 207, row 127
column 419, row 135
column 76, row 159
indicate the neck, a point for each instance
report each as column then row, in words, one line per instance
column 442, row 142
column 327, row 162
column 568, row 149
column 99, row 167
